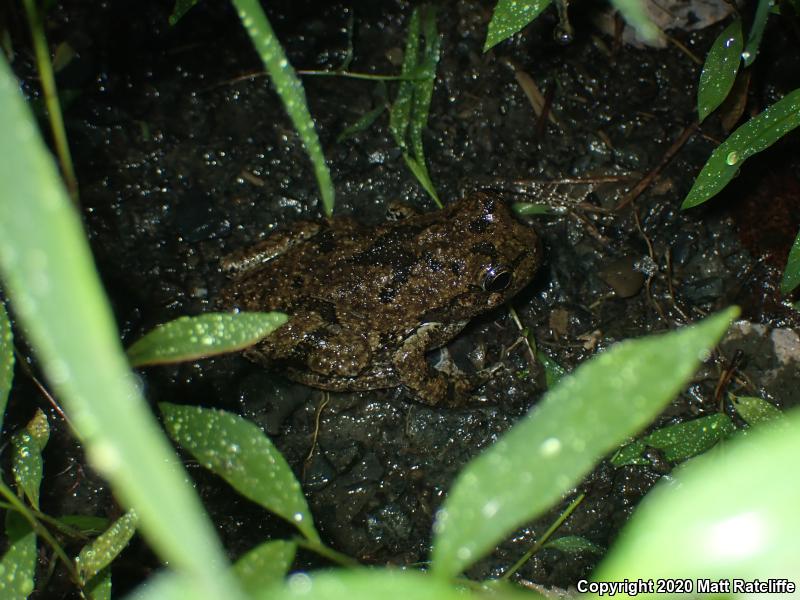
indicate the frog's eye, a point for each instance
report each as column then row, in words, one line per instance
column 496, row 279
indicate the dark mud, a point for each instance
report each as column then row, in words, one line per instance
column 184, row 154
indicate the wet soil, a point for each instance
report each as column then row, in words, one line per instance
column 184, row 154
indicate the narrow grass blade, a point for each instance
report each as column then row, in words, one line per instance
column 791, row 274
column 365, row 584
column 757, row 134
column 99, row 588
column 361, row 124
column 509, row 17
column 289, row 88
column 180, row 8
column 719, row 70
column 730, row 514
column 50, row 278
column 190, row 338
column 678, row 442
column 101, row 552
column 27, row 464
column 19, row 562
column 400, row 113
column 265, row 565
column 575, row 544
column 755, row 411
column 756, row 31
column 6, row 360
column 589, row 413
column 239, row 452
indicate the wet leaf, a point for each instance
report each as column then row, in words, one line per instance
column 719, row 70
column 86, row 524
column 532, row 208
column 553, row 372
column 27, row 463
column 49, row 276
column 99, row 588
column 361, row 124
column 18, row 565
column 791, row 274
column 727, row 514
column 265, row 565
column 511, row 16
column 289, row 88
column 756, row 31
column 180, row 8
column 364, row 584
column 239, row 452
column 6, row 360
column 101, row 552
column 755, row 411
column 189, row 338
column 591, row 411
column 408, row 115
column 757, row 134
column 575, row 544
column 678, row 442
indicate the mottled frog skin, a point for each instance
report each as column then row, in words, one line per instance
column 367, row 302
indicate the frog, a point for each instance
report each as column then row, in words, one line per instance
column 366, row 303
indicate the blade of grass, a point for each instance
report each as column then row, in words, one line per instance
column 50, row 278
column 756, row 31
column 289, row 88
column 588, row 414
column 100, row 552
column 719, row 70
column 635, row 15
column 791, row 274
column 239, row 452
column 757, row 134
column 190, row 338
column 509, row 17
column 48, row 82
column 6, row 360
column 19, row 562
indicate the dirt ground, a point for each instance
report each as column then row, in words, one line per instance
column 184, row 154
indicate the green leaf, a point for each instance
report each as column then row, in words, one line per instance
column 755, row 411
column 49, row 275
column 553, row 372
column 756, row 31
column 511, row 16
column 400, row 113
column 189, row 338
column 757, row 134
column 18, row 565
column 719, row 70
column 27, row 462
column 289, row 88
column 589, row 413
column 265, row 565
column 6, row 360
column 575, row 544
column 679, row 441
column 361, row 124
column 180, row 8
column 635, row 15
column 99, row 588
column 364, row 584
column 532, row 208
column 239, row 452
column 727, row 514
column 86, row 524
column 408, row 115
column 97, row 555
column 791, row 274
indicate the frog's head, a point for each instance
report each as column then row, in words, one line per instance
column 492, row 255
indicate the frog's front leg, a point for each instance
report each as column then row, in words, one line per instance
column 429, row 385
column 277, row 243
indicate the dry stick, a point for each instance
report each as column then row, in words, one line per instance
column 645, row 182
